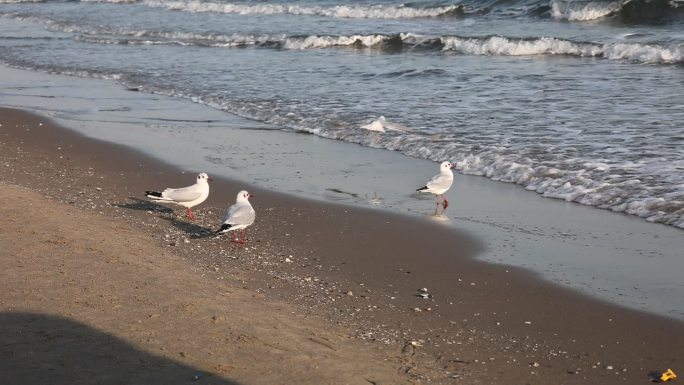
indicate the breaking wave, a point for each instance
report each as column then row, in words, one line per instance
column 626, row 11
column 492, row 45
column 339, row 11
column 618, row 185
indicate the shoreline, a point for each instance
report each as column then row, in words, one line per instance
column 501, row 318
column 578, row 247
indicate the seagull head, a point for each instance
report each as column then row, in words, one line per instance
column 446, row 165
column 243, row 196
column 203, row 177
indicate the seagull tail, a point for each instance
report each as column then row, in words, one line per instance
column 153, row 194
column 224, row 228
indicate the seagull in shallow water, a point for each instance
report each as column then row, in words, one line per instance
column 185, row 196
column 238, row 217
column 440, row 183
column 382, row 125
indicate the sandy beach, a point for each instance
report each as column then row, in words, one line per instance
column 101, row 286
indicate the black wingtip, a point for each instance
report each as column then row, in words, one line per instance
column 422, row 188
column 153, row 194
column 223, row 228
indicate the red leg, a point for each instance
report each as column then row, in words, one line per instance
column 445, row 202
column 437, row 199
column 191, row 215
column 243, row 238
column 233, row 238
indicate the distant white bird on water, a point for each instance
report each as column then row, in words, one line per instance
column 238, row 217
column 382, row 125
column 440, row 183
column 185, row 196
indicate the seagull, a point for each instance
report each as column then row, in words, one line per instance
column 238, row 217
column 440, row 183
column 382, row 125
column 185, row 196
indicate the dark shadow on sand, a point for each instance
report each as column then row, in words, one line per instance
column 43, row 349
column 195, row 230
column 187, row 226
column 144, row 205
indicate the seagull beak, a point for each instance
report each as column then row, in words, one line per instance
column 453, row 166
column 210, row 179
column 251, row 196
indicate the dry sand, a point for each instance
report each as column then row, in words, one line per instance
column 99, row 286
column 88, row 299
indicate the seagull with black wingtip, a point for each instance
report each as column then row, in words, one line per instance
column 188, row 197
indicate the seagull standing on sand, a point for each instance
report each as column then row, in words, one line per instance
column 238, row 217
column 440, row 183
column 186, row 196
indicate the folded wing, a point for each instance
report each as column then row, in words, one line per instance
column 239, row 214
column 184, row 194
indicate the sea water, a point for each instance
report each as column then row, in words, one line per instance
column 581, row 101
column 576, row 100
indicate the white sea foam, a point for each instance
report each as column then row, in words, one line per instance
column 586, row 186
column 519, row 47
column 644, row 53
column 110, row 1
column 584, row 12
column 332, row 41
column 340, row 11
column 502, row 46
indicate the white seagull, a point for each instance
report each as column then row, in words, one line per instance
column 185, row 196
column 440, row 183
column 238, row 217
column 382, row 125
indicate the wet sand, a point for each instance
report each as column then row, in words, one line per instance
column 588, row 250
column 350, row 271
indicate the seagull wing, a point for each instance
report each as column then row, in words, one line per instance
column 239, row 214
column 184, row 194
column 440, row 181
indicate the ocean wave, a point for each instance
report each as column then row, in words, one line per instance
column 110, row 1
column 502, row 46
column 491, row 46
column 625, row 186
column 338, row 11
column 613, row 187
column 626, row 11
column 577, row 11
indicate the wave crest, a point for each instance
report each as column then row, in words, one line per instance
column 583, row 12
column 626, row 11
column 492, row 45
column 339, row 11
